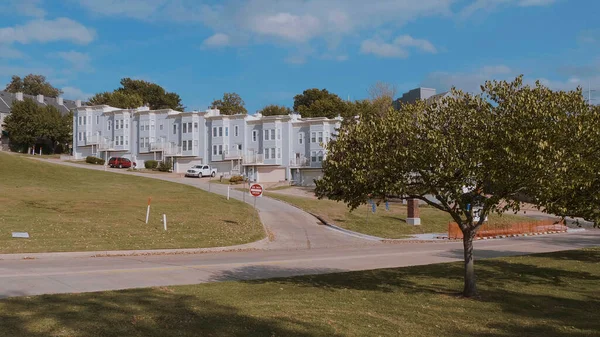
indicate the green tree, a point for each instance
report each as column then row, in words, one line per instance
column 117, row 99
column 32, row 85
column 275, row 110
column 132, row 92
column 319, row 103
column 55, row 128
column 230, row 104
column 24, row 123
column 467, row 151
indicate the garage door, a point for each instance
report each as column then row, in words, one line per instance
column 309, row 177
column 183, row 164
column 271, row 174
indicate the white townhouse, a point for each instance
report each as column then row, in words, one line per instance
column 262, row 148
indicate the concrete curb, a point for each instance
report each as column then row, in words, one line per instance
column 518, row 235
column 126, row 253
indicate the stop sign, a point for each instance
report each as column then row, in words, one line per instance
column 256, row 190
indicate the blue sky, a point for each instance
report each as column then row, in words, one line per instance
column 270, row 50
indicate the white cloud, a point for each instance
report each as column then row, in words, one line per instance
column 75, row 93
column 397, row 48
column 287, row 26
column 77, row 60
column 61, row 29
column 589, row 37
column 217, row 40
column 409, row 41
column 23, row 8
column 8, row 52
column 491, row 5
column 137, row 9
column 382, row 49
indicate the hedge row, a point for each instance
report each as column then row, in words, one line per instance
column 94, row 160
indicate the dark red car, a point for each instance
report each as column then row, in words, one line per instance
column 120, row 162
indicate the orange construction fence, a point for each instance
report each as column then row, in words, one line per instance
column 526, row 227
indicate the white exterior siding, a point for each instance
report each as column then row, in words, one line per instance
column 264, row 149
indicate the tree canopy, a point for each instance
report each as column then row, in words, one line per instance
column 29, row 123
column 319, row 103
column 275, row 110
column 32, row 85
column 482, row 150
column 230, row 104
column 135, row 93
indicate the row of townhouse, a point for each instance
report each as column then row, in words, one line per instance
column 261, row 148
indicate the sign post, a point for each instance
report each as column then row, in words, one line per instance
column 256, row 190
column 148, row 210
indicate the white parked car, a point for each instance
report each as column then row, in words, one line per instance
column 201, row 171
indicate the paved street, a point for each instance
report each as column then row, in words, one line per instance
column 299, row 246
column 65, row 275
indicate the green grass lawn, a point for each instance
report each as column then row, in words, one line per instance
column 73, row 209
column 547, row 295
column 386, row 224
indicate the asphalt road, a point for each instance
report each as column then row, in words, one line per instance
column 68, row 275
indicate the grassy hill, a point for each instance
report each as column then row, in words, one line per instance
column 72, row 209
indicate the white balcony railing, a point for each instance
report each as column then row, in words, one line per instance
column 173, row 150
column 157, row 147
column 91, row 140
column 253, row 158
column 106, row 145
column 232, row 154
column 300, row 162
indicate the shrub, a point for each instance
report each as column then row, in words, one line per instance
column 94, row 160
column 151, row 164
column 165, row 166
column 236, row 179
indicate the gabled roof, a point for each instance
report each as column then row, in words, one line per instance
column 7, row 99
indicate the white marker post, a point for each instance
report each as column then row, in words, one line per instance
column 165, row 221
column 228, row 188
column 148, row 210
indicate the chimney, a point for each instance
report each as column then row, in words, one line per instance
column 40, row 98
column 78, row 103
column 59, row 100
column 19, row 96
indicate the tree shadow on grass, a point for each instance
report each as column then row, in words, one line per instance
column 143, row 312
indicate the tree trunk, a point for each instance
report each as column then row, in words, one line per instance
column 470, row 288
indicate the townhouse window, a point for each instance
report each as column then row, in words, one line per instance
column 190, row 144
column 116, row 124
column 142, row 142
column 313, row 156
column 278, row 134
column 266, row 134
column 190, row 127
column 267, row 153
column 214, row 132
column 108, row 125
column 313, row 137
column 236, row 131
column 184, row 142
column 254, row 135
column 320, row 156
column 239, row 147
column 220, row 149
column 184, row 128
column 300, row 138
column 278, row 153
column 126, row 140
column 84, row 120
column 196, row 143
column 152, row 125
column 320, row 136
column 226, row 131
column 160, row 126
column 122, row 143
column 97, row 119
column 147, row 125
column 122, row 123
column 272, row 153
column 79, row 120
column 195, row 125
column 174, row 129
column 127, row 124
column 90, row 120
column 220, row 131
column 79, row 136
column 214, row 150
column 147, row 142
column 326, row 136
column 272, row 134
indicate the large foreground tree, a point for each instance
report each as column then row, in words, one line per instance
column 32, row 85
column 138, row 92
column 319, row 103
column 468, row 151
